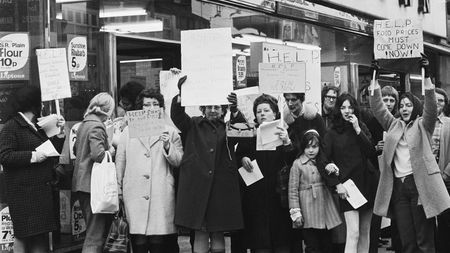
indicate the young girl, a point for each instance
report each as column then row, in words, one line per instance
column 310, row 202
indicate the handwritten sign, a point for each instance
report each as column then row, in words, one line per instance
column 144, row 123
column 53, row 73
column 282, row 77
column 206, row 57
column 399, row 38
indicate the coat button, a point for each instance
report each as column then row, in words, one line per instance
column 146, row 197
column 211, row 150
column 210, row 172
column 146, row 176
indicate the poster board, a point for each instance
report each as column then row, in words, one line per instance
column 145, row 123
column 282, row 77
column 397, row 38
column 53, row 73
column 206, row 58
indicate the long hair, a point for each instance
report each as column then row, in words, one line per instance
column 339, row 123
column 417, row 105
column 101, row 104
column 310, row 137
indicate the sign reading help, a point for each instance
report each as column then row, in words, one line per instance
column 399, row 38
column 53, row 73
column 144, row 123
column 282, row 77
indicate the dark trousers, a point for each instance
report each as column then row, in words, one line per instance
column 375, row 231
column 97, row 225
column 443, row 231
column 317, row 240
column 416, row 231
column 296, row 241
column 155, row 243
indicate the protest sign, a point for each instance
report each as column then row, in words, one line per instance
column 282, row 77
column 144, row 123
column 245, row 99
column 14, row 56
column 206, row 57
column 399, row 38
column 53, row 73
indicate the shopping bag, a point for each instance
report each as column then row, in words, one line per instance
column 104, row 189
column 117, row 240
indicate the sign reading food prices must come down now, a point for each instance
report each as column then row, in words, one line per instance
column 399, row 38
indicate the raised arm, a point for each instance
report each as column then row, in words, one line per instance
column 430, row 107
column 179, row 116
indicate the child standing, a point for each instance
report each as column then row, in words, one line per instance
column 310, row 202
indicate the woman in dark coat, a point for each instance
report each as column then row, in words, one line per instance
column 208, row 199
column 267, row 224
column 29, row 173
column 348, row 145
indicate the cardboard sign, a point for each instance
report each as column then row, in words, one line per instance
column 77, row 57
column 53, row 73
column 399, row 38
column 282, row 77
column 206, row 58
column 144, row 123
column 14, row 56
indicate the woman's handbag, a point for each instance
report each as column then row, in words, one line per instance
column 104, row 189
column 117, row 240
column 242, row 130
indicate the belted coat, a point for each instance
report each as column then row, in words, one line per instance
column 208, row 196
column 432, row 192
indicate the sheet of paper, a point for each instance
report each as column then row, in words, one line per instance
column 356, row 199
column 48, row 124
column 206, row 58
column 268, row 146
column 144, row 123
column 251, row 177
column 385, row 222
column 47, row 148
column 245, row 99
column 268, row 131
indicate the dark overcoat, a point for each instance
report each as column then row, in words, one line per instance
column 28, row 185
column 267, row 224
column 208, row 191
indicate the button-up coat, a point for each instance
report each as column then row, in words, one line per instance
column 28, row 185
column 147, row 181
column 208, row 191
column 432, row 192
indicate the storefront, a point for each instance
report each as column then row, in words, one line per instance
column 111, row 42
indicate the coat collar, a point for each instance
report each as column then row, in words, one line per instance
column 304, row 159
column 21, row 121
column 93, row 117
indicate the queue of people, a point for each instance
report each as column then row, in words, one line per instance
column 395, row 153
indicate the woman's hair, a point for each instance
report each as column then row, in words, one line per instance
column 101, row 104
column 224, row 110
column 310, row 137
column 267, row 99
column 339, row 123
column 327, row 88
column 443, row 93
column 130, row 91
column 149, row 93
column 417, row 105
column 28, row 99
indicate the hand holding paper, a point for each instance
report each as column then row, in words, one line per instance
column 355, row 197
column 253, row 176
column 50, row 124
column 48, row 149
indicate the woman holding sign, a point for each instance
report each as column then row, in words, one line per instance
column 347, row 144
column 145, row 174
column 411, row 186
column 29, row 173
column 267, row 221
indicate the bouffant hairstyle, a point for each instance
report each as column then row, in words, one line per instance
column 149, row 93
column 101, row 104
column 417, row 105
column 267, row 99
column 28, row 99
column 130, row 91
column 338, row 121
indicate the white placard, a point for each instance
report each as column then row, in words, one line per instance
column 206, row 58
column 282, row 77
column 268, row 131
column 144, row 123
column 245, row 99
column 397, row 38
column 53, row 73
column 251, row 177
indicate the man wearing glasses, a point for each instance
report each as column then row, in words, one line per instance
column 329, row 96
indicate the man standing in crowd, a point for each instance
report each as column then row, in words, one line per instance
column 329, row 95
column 440, row 145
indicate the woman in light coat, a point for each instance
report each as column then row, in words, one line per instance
column 411, row 186
column 145, row 174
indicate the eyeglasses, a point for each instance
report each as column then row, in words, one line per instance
column 441, row 101
column 330, row 97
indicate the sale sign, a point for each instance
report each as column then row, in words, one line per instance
column 14, row 56
column 77, row 57
column 399, row 38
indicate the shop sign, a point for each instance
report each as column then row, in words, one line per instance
column 396, row 39
column 268, row 5
column 53, row 73
column 77, row 57
column 241, row 70
column 14, row 56
column 6, row 227
column 78, row 221
column 337, row 76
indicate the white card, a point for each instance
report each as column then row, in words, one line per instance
column 47, row 148
column 355, row 197
column 251, row 177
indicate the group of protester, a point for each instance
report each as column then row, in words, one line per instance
column 395, row 153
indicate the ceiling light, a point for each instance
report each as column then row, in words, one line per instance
column 135, row 27
column 122, row 12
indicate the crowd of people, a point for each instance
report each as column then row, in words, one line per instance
column 396, row 153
